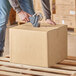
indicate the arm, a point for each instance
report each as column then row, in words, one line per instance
column 15, row 4
column 46, row 8
column 47, row 12
column 24, row 16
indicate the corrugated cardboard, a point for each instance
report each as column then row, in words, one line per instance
column 67, row 20
column 65, row 12
column 66, row 2
column 6, row 47
column 62, row 9
column 44, row 46
column 72, row 45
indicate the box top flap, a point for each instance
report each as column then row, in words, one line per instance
column 43, row 27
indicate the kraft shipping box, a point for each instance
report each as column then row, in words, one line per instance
column 65, row 12
column 66, row 2
column 66, row 20
column 44, row 46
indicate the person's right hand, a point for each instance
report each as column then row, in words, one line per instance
column 24, row 16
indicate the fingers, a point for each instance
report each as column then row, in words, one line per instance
column 24, row 16
column 27, row 15
column 49, row 21
column 53, row 23
column 25, row 20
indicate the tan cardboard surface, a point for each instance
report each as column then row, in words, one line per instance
column 63, row 9
column 44, row 46
column 67, row 20
column 72, row 2
column 65, row 12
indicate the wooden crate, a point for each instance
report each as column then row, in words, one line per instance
column 65, row 68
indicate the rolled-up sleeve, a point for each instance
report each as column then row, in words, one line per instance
column 15, row 4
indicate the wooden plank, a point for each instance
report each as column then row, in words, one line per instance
column 4, row 73
column 4, row 59
column 7, row 56
column 22, row 71
column 58, row 71
column 65, row 67
column 53, row 70
column 8, row 64
column 68, row 62
column 71, row 58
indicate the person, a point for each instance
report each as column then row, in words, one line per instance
column 25, row 10
column 47, row 12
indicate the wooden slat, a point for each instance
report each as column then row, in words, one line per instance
column 10, row 64
column 58, row 71
column 71, row 58
column 28, row 72
column 69, row 62
column 4, row 73
column 53, row 70
column 4, row 59
column 65, row 67
column 7, row 56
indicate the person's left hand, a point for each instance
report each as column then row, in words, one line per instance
column 49, row 21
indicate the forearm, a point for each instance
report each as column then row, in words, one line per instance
column 46, row 8
column 15, row 4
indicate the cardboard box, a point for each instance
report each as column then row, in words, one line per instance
column 44, row 46
column 72, row 45
column 65, row 19
column 65, row 10
column 65, row 13
column 6, row 47
column 67, row 2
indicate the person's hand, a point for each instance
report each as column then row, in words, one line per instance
column 24, row 16
column 49, row 21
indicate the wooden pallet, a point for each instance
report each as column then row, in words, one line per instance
column 72, row 29
column 65, row 68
